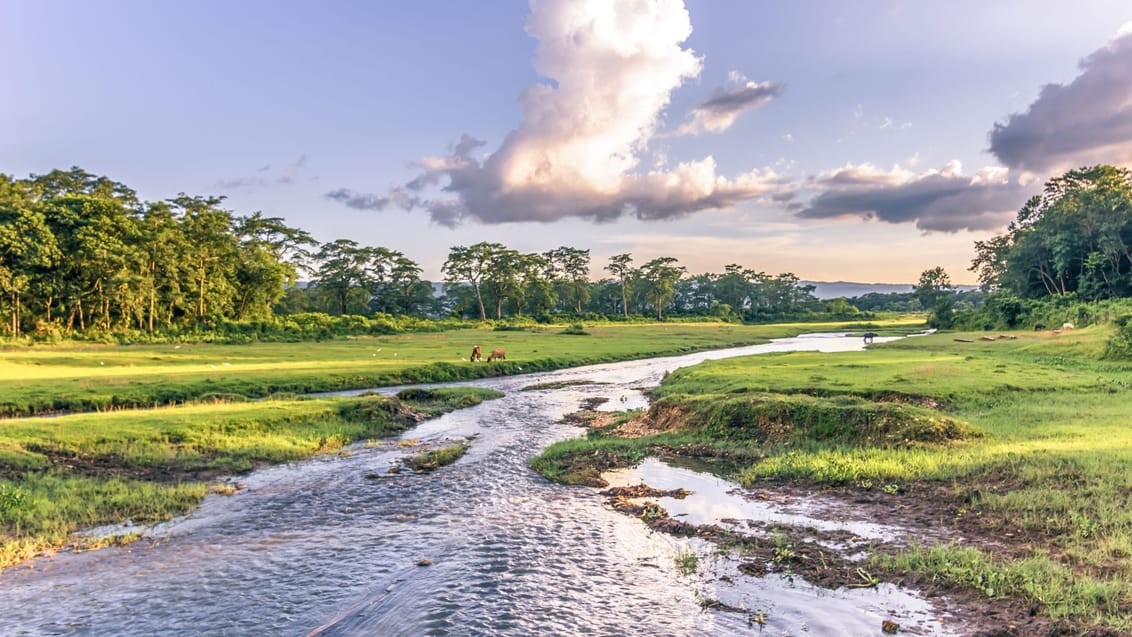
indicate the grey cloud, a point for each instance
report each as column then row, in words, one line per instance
column 719, row 112
column 1086, row 121
column 367, row 201
column 466, row 145
column 739, row 99
column 935, row 201
column 291, row 172
column 262, row 177
column 358, row 200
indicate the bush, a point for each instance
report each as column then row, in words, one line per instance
column 576, row 329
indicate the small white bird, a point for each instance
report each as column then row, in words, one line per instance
column 214, row 367
column 379, row 349
column 176, row 347
column 101, row 363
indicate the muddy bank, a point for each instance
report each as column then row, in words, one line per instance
column 925, row 513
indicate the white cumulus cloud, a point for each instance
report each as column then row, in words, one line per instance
column 610, row 69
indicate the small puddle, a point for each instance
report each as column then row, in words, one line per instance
column 715, row 500
column 625, row 400
column 779, row 602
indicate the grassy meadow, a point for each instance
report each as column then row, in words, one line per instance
column 1024, row 442
column 43, row 379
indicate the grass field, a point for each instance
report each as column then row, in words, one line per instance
column 1040, row 462
column 42, row 379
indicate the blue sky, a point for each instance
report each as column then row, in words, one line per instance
column 834, row 140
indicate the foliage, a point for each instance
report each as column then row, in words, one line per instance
column 576, row 329
column 1074, row 238
column 433, row 459
column 935, row 293
column 82, row 258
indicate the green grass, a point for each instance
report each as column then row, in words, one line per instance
column 1028, row 438
column 42, row 379
column 433, row 459
column 59, row 475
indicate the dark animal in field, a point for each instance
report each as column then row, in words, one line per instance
column 1039, row 327
column 497, row 355
column 869, row 336
column 477, row 354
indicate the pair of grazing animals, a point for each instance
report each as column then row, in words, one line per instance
column 496, row 355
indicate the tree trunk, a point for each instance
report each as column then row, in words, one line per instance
column 624, row 299
column 200, row 294
column 479, row 298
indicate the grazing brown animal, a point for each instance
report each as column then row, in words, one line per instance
column 497, row 355
column 477, row 354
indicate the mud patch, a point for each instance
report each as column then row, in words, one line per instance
column 812, row 548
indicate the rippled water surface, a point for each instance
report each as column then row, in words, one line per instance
column 319, row 548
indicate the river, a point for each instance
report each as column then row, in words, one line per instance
column 323, row 548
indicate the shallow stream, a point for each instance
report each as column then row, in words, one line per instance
column 319, row 548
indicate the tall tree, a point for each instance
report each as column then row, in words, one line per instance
column 936, row 294
column 345, row 274
column 619, row 267
column 471, row 264
column 27, row 247
column 212, row 248
column 571, row 266
column 660, row 277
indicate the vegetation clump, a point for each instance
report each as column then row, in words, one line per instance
column 798, row 419
column 433, row 459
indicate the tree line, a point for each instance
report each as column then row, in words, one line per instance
column 1067, row 255
column 80, row 253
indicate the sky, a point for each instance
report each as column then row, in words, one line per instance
column 865, row 141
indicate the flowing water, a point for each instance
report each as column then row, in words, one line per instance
column 323, row 547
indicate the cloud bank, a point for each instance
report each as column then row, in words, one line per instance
column 611, row 68
column 1086, row 121
column 935, row 200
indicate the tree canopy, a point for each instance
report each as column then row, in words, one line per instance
column 1073, row 238
column 81, row 254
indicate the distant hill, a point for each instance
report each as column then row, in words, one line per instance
column 823, row 289
column 832, row 290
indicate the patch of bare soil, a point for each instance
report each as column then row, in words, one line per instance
column 925, row 512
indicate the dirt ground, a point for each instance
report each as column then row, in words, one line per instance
column 929, row 512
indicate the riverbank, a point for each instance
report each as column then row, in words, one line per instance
column 82, row 470
column 53, row 379
column 1019, row 449
column 60, row 475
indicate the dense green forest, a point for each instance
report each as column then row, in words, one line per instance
column 82, row 256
